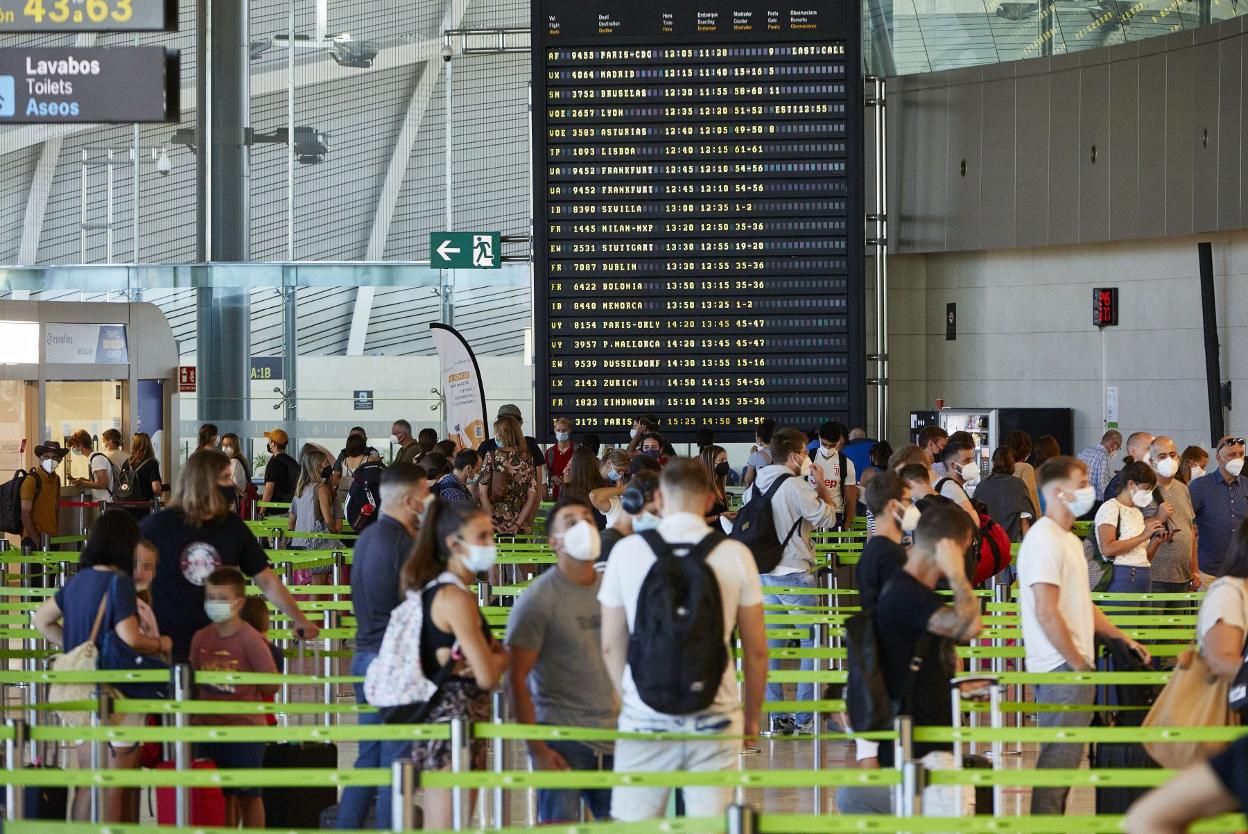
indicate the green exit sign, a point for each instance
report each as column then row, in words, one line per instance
column 465, row 250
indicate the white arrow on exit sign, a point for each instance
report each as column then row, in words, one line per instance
column 446, row 250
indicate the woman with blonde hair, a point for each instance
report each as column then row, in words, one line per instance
column 142, row 471
column 312, row 511
column 509, row 491
column 198, row 533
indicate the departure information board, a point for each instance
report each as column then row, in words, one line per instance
column 698, row 248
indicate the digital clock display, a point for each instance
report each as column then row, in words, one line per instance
column 1105, row 307
column 698, row 203
column 88, row 16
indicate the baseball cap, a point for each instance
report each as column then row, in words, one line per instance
column 278, row 436
column 510, row 410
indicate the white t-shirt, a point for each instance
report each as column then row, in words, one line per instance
column 739, row 587
column 1129, row 522
column 100, row 463
column 834, row 479
column 1054, row 556
column 1226, row 601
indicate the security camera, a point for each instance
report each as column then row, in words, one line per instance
column 164, row 166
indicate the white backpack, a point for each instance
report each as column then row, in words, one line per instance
column 395, row 677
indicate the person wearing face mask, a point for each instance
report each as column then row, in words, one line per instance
column 1220, row 503
column 1139, row 446
column 798, row 506
column 1060, row 623
column 281, row 473
column 1125, row 535
column 455, row 487
column 197, row 534
column 958, row 457
column 605, row 498
column 1097, row 458
column 652, row 447
column 146, row 474
column 715, row 459
column 230, row 645
column 401, row 436
column 760, row 452
column 240, row 471
column 643, row 425
column 312, row 511
column 1192, row 464
column 557, row 675
column 1175, row 567
column 640, row 512
column 932, row 439
column 376, row 571
column 839, row 474
column 456, row 544
column 41, row 495
column 560, row 455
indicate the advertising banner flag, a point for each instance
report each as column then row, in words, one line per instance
column 462, row 388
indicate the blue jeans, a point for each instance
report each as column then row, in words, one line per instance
column 1054, row 754
column 353, row 809
column 1130, row 581
column 805, row 691
column 565, row 806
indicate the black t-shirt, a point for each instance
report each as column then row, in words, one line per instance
column 147, row 472
column 187, row 555
column 881, row 558
column 1231, row 767
column 378, row 559
column 901, row 614
column 535, row 449
column 282, row 472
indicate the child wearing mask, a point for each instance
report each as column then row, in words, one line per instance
column 231, row 645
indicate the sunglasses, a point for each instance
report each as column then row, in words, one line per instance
column 1231, row 441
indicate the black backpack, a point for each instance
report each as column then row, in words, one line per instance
column 676, row 650
column 364, row 496
column 129, row 487
column 11, row 501
column 867, row 700
column 755, row 527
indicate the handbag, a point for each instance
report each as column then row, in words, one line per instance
column 81, row 658
column 116, row 653
column 1194, row 697
column 1100, row 567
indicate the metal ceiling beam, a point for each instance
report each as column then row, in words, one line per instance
column 388, row 198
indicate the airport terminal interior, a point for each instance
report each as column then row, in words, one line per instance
column 670, row 417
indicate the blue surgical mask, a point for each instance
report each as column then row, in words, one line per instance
column 613, row 476
column 562, row 436
column 645, row 521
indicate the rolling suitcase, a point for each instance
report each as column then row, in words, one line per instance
column 207, row 804
column 46, row 803
column 1119, row 755
column 298, row 807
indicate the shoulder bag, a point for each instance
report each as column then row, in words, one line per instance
column 81, row 658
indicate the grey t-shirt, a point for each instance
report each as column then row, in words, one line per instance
column 562, row 622
column 1173, row 561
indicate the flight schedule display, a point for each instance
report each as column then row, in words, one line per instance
column 698, row 189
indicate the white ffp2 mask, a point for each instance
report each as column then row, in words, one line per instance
column 582, row 542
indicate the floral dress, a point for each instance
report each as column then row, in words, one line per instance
column 508, row 476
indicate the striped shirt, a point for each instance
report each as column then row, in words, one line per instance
column 1097, row 460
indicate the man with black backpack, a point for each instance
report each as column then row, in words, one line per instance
column 671, row 599
column 796, row 506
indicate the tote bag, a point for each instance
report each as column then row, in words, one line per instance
column 1194, row 697
column 81, row 658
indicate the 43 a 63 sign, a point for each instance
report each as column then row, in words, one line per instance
column 88, row 16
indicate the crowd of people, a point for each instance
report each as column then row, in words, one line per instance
column 584, row 641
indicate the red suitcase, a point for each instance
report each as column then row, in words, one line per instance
column 207, row 804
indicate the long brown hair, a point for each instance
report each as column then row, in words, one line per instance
column 430, row 555
column 1192, row 456
column 236, row 451
column 708, row 455
column 197, row 494
column 140, row 449
column 583, row 476
column 508, row 433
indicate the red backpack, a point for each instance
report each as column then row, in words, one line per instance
column 992, row 546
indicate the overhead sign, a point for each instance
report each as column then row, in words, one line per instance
column 363, row 400
column 465, row 250
column 698, row 195
column 88, row 16
column 85, row 344
column 264, row 368
column 118, row 84
column 186, row 379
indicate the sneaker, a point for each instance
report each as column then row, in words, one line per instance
column 806, row 728
column 781, row 725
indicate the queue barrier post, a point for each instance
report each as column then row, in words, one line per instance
column 402, row 795
column 498, row 708
column 819, row 635
column 996, row 695
column 913, row 777
column 461, row 732
column 14, row 795
column 742, row 819
column 903, row 750
column 327, row 666
column 99, row 718
column 182, row 685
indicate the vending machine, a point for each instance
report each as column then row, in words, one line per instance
column 989, row 427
